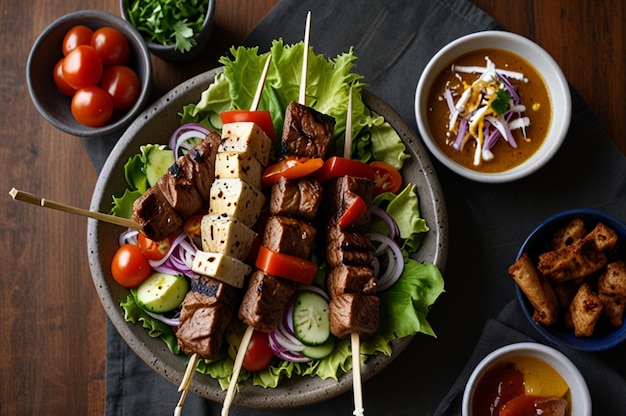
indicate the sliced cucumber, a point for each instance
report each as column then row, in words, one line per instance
column 317, row 352
column 158, row 161
column 162, row 292
column 311, row 318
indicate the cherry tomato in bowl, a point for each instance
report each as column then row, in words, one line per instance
column 82, row 67
column 92, row 106
column 77, row 35
column 259, row 353
column 154, row 250
column 386, row 177
column 122, row 84
column 129, row 266
column 111, row 45
column 60, row 82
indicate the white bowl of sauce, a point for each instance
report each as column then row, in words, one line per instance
column 527, row 375
column 493, row 106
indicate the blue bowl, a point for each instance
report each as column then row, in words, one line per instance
column 605, row 336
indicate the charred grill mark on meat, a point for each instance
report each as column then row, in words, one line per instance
column 164, row 207
column 354, row 305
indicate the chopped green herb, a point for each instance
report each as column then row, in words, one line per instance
column 501, row 102
column 169, row 21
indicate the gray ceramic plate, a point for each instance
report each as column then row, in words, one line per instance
column 154, row 126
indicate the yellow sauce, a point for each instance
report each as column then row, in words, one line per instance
column 540, row 379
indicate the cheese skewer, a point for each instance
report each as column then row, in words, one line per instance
column 245, row 341
column 46, row 203
column 191, row 365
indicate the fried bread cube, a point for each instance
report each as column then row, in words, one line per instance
column 604, row 237
column 584, row 311
column 567, row 235
column 537, row 290
column 612, row 292
column 572, row 262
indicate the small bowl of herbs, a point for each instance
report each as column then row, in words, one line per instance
column 174, row 31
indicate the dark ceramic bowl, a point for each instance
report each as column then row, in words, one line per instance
column 46, row 52
column 605, row 336
column 167, row 52
column 155, row 125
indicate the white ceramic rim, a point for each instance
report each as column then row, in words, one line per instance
column 552, row 75
column 581, row 399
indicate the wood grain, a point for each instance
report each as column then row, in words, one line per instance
column 53, row 327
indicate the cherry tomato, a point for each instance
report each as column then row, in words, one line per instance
column 112, row 46
column 193, row 226
column 129, row 267
column 92, row 106
column 122, row 84
column 386, row 177
column 335, row 167
column 285, row 266
column 82, row 67
column 261, row 118
column 154, row 250
column 354, row 212
column 78, row 35
column 259, row 354
column 63, row 86
column 291, row 167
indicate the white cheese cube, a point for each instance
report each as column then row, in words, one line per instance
column 236, row 198
column 246, row 137
column 238, row 165
column 226, row 235
column 221, row 267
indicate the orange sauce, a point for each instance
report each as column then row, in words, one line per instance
column 512, row 387
column 534, row 96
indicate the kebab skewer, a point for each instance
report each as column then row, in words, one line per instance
column 235, row 203
column 288, row 234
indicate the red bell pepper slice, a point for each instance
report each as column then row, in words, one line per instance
column 286, row 266
column 335, row 167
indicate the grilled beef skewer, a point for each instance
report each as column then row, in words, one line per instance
column 354, row 306
column 293, row 203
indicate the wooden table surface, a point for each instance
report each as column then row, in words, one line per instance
column 52, row 353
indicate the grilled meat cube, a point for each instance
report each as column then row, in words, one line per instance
column 354, row 313
column 265, row 301
column 203, row 323
column 351, row 279
column 203, row 156
column 306, row 132
column 340, row 193
column 155, row 215
column 214, row 290
column 348, row 246
column 298, row 198
column 289, row 235
column 180, row 191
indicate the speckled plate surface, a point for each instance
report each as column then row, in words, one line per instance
column 155, row 126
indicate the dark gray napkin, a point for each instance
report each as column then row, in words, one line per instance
column 393, row 41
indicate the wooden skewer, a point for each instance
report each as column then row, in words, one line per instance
column 305, row 60
column 245, row 341
column 259, row 88
column 356, row 374
column 354, row 337
column 35, row 200
column 191, row 365
column 241, row 354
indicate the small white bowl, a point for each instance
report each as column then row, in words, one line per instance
column 581, row 399
column 551, row 72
